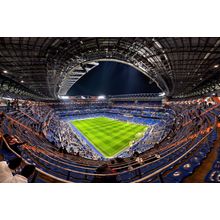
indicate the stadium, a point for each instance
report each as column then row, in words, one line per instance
column 166, row 131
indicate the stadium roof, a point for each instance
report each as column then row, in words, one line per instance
column 47, row 67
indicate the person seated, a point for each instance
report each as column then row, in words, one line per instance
column 130, row 168
column 15, row 147
column 138, row 159
column 26, row 173
column 157, row 155
column 14, row 143
column 7, row 169
column 105, row 169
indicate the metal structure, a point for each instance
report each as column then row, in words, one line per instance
column 11, row 89
column 48, row 67
column 74, row 75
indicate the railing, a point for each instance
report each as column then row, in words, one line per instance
column 56, row 179
column 157, row 172
column 136, row 95
column 101, row 175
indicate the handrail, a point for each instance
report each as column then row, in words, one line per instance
column 94, row 174
column 62, row 180
column 29, row 116
column 173, row 162
column 21, row 124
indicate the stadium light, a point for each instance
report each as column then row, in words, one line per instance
column 101, row 97
column 162, row 94
column 5, row 71
column 6, row 98
column 63, row 97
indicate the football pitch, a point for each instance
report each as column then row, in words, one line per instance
column 109, row 136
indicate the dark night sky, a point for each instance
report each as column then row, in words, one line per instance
column 112, row 78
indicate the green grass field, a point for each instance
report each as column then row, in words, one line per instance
column 109, row 136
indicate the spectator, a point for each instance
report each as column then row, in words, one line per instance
column 138, row 159
column 7, row 169
column 130, row 168
column 26, row 172
column 105, row 169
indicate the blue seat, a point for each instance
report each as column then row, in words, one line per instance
column 176, row 176
column 188, row 167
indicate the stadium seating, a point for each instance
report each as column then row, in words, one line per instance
column 183, row 145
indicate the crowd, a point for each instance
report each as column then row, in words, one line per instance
column 42, row 119
column 66, row 140
column 58, row 132
column 45, row 121
column 62, row 136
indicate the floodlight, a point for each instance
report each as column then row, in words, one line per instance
column 162, row 94
column 6, row 98
column 63, row 97
column 101, row 97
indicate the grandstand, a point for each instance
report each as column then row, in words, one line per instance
column 166, row 137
